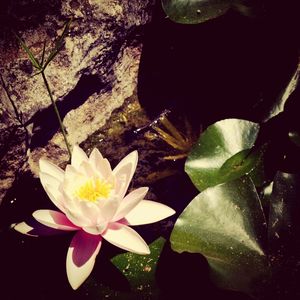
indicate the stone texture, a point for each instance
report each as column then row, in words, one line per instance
column 101, row 48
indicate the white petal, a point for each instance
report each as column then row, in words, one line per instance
column 34, row 228
column 124, row 172
column 86, row 169
column 97, row 229
column 52, row 187
column 78, row 156
column 147, row 212
column 108, row 208
column 51, row 169
column 73, row 179
column 47, row 179
column 81, row 257
column 129, row 202
column 71, row 172
column 125, row 238
column 100, row 164
column 54, row 219
column 83, row 213
column 24, row 228
column 55, row 196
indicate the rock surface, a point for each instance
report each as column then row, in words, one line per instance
column 91, row 76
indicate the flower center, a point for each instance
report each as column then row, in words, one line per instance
column 93, row 189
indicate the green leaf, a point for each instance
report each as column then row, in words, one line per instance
column 226, row 224
column 196, row 11
column 43, row 53
column 33, row 60
column 221, row 153
column 284, row 211
column 279, row 104
column 58, row 45
column 129, row 276
column 140, row 269
column 284, row 234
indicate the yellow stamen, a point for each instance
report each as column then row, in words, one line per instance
column 93, row 189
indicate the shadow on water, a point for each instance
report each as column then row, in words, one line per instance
column 210, row 66
column 232, row 66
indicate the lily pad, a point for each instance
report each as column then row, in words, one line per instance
column 221, row 153
column 280, row 102
column 140, row 269
column 226, row 224
column 133, row 276
column 196, row 11
column 284, row 212
column 284, row 235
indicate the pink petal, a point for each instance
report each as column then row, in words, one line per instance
column 81, row 257
column 51, row 169
column 129, row 202
column 125, row 238
column 124, row 172
column 54, row 219
column 34, row 228
column 100, row 164
column 147, row 212
column 78, row 156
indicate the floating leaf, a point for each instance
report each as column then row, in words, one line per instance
column 284, row 211
column 279, row 104
column 226, row 224
column 196, row 11
column 138, row 272
column 221, row 153
column 140, row 269
column 284, row 235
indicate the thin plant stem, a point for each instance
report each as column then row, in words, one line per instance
column 57, row 113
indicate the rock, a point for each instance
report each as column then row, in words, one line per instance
column 95, row 71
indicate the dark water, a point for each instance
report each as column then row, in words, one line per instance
column 229, row 67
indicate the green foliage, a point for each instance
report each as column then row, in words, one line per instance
column 193, row 12
column 278, row 106
column 284, row 211
column 41, row 70
column 137, row 270
column 226, row 224
column 57, row 47
column 221, row 153
column 33, row 60
column 140, row 269
column 200, row 11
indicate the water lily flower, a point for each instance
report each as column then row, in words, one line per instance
column 92, row 201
